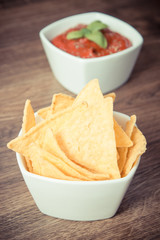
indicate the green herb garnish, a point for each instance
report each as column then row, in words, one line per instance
column 91, row 32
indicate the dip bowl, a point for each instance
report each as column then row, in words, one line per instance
column 78, row 200
column 75, row 72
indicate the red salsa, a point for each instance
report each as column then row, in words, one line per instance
column 85, row 48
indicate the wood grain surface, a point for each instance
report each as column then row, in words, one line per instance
column 25, row 73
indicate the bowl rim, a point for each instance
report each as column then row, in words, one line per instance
column 25, row 172
column 47, row 28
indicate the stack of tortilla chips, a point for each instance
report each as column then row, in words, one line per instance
column 78, row 138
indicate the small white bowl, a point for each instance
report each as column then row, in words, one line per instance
column 74, row 72
column 78, row 200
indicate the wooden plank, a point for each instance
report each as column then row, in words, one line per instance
column 25, row 73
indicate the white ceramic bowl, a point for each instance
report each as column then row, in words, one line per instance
column 77, row 200
column 74, row 72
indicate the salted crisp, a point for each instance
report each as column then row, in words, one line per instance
column 78, row 139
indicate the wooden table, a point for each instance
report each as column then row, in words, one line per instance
column 25, row 73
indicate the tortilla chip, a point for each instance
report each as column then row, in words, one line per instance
column 138, row 148
column 87, row 93
column 60, row 102
column 112, row 95
column 122, row 140
column 50, row 144
column 28, row 122
column 21, row 143
column 135, row 163
column 42, row 166
column 117, row 156
column 43, row 112
column 28, row 117
column 123, row 151
column 88, row 139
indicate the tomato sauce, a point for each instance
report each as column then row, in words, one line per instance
column 84, row 48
